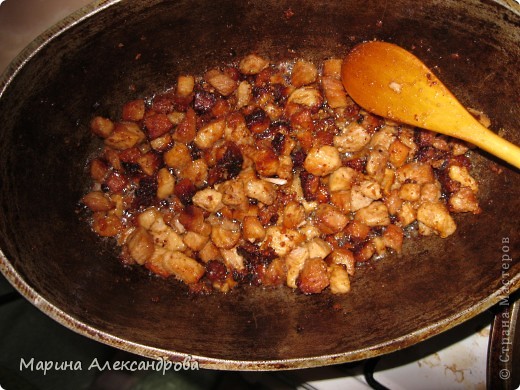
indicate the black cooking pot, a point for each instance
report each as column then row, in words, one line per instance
column 114, row 51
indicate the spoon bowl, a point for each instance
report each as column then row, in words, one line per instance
column 391, row 82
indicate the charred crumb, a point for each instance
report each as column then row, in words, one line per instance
column 204, row 102
column 277, row 143
column 195, row 152
column 231, row 162
column 298, row 157
column 145, row 192
column 358, row 164
column 257, row 121
column 131, row 169
column 310, row 185
column 185, row 189
column 216, row 271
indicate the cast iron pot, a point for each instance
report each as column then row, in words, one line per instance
column 114, row 51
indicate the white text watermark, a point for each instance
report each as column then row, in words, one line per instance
column 159, row 365
column 506, row 337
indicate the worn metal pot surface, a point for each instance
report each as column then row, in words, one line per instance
column 115, row 51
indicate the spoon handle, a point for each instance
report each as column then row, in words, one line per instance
column 490, row 142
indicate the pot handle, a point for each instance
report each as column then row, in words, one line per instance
column 503, row 361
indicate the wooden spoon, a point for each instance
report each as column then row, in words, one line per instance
column 389, row 81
